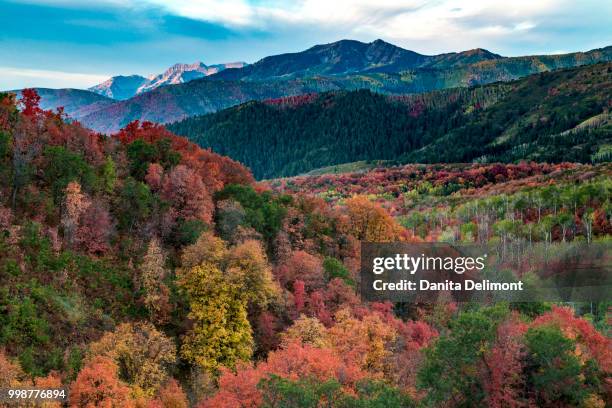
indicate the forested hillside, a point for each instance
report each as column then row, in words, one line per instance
column 174, row 102
column 463, row 202
column 560, row 116
column 556, row 116
column 140, row 270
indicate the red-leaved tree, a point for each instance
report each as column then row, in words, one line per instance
column 186, row 192
column 504, row 382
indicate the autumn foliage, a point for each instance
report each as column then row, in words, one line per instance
column 215, row 170
column 369, row 222
column 589, row 342
column 98, row 385
column 294, row 361
column 140, row 270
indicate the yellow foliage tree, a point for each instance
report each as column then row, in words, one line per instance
column 248, row 268
column 142, row 353
column 306, row 330
column 75, row 203
column 207, row 248
column 221, row 333
column 223, row 285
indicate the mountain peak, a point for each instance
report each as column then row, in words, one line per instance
column 378, row 42
column 344, row 43
column 187, row 67
column 120, row 87
column 456, row 59
column 124, row 87
column 180, row 68
column 482, row 53
column 337, row 58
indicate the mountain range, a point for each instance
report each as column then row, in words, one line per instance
column 347, row 57
column 124, row 87
column 343, row 65
column 548, row 117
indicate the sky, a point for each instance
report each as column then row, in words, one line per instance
column 79, row 43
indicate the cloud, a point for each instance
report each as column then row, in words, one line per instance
column 401, row 19
column 371, row 14
column 425, row 25
column 237, row 13
column 16, row 78
column 449, row 22
column 145, row 36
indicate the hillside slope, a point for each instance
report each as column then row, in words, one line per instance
column 524, row 119
column 171, row 103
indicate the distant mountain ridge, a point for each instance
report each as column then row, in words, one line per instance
column 124, row 87
column 344, row 65
column 347, row 57
column 552, row 117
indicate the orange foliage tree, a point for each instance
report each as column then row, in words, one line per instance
column 75, row 204
column 98, row 386
column 11, row 373
column 171, row 395
column 295, row 361
column 369, row 221
column 52, row 380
